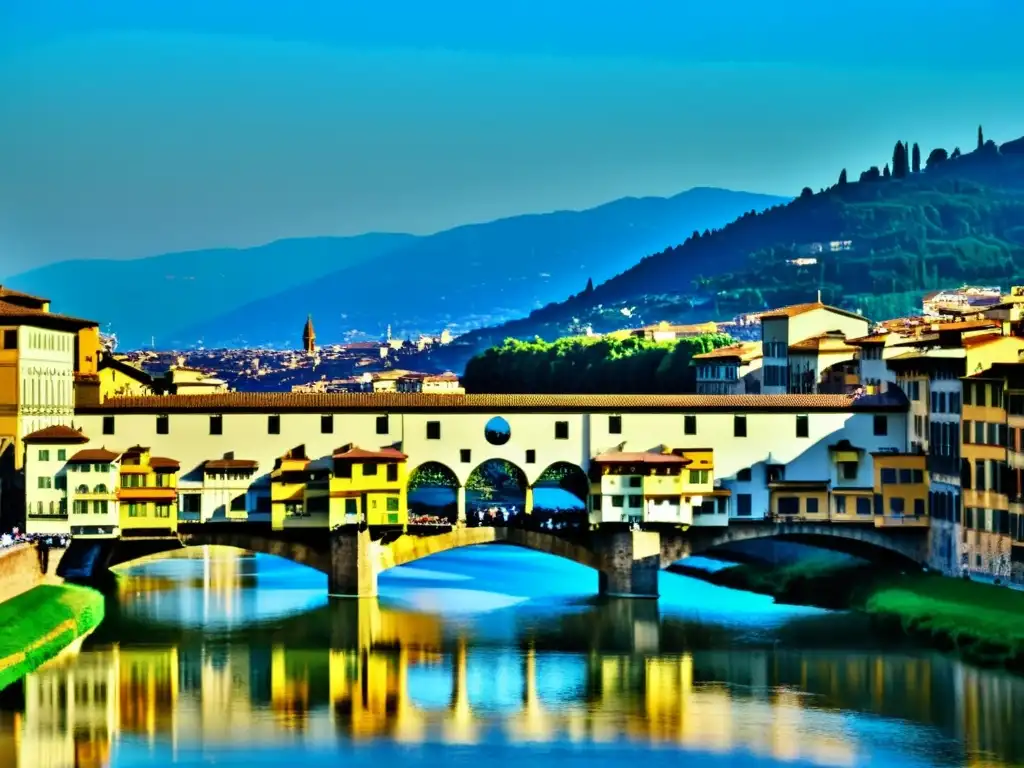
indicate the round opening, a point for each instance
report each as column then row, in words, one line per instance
column 497, row 431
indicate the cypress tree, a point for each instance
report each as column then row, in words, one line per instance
column 885, row 172
column 981, row 138
column 842, row 178
column 916, row 154
column 590, row 285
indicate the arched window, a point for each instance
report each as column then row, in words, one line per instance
column 101, row 488
column 82, row 489
column 53, row 507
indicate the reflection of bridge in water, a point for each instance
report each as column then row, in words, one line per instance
column 398, row 676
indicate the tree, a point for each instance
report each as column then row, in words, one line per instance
column 590, row 285
column 916, row 161
column 842, row 178
column 956, row 153
column 936, row 156
column 872, row 173
column 981, row 138
column 806, row 192
column 900, row 164
column 885, row 172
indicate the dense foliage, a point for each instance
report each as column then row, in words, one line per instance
column 955, row 218
column 589, row 365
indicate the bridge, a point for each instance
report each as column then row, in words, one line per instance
column 627, row 559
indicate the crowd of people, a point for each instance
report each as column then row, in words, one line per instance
column 11, row 538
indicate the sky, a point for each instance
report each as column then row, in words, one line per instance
column 130, row 129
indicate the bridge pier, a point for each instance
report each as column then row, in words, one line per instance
column 628, row 563
column 352, row 572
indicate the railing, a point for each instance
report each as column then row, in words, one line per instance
column 901, row 519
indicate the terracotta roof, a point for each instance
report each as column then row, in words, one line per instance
column 981, row 340
column 160, row 462
column 641, row 457
column 746, row 350
column 11, row 311
column 101, row 455
column 10, row 292
column 873, row 338
column 798, row 309
column 441, row 402
column 966, row 325
column 356, row 453
column 55, row 434
column 219, row 464
column 821, row 344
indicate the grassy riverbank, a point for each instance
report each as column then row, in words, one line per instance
column 40, row 623
column 983, row 624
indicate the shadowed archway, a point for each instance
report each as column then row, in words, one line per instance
column 560, row 495
column 496, row 493
column 433, row 495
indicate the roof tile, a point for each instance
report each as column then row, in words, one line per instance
column 55, row 434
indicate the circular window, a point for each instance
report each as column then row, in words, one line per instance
column 497, row 431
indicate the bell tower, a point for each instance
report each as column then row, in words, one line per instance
column 309, row 337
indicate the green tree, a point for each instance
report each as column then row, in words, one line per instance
column 590, row 286
column 806, row 192
column 900, row 164
column 885, row 172
column 916, row 158
column 842, row 178
column 936, row 156
column 981, row 138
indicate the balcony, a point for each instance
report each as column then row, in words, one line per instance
column 663, row 485
column 902, row 521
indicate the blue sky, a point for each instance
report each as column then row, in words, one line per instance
column 134, row 128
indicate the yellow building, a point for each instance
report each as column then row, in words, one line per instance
column 148, row 493
column 805, row 500
column 288, row 488
column 113, row 378
column 901, row 489
column 368, row 486
column 985, row 478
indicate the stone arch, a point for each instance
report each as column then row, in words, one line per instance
column 902, row 546
column 497, row 491
column 560, row 495
column 432, row 494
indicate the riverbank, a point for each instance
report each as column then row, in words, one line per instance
column 40, row 623
column 981, row 623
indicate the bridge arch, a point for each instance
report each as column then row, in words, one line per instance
column 432, row 493
column 496, row 488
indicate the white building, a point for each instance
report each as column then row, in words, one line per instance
column 732, row 370
column 92, row 478
column 761, row 450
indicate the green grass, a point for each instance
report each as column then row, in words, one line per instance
column 42, row 622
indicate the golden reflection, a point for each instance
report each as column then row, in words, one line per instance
column 776, row 704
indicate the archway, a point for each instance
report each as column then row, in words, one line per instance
column 433, row 495
column 495, row 494
column 560, row 496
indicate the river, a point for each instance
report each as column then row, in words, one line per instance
column 490, row 653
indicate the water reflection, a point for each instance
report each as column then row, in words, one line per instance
column 359, row 673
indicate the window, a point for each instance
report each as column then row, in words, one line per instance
column 433, row 429
column 690, row 424
column 392, row 504
column 10, row 339
column 343, row 469
column 617, row 501
column 216, row 424
column 881, row 425
column 739, row 426
column 190, row 503
column 595, row 503
column 743, row 505
column 615, row 425
column 351, row 506
column 906, row 476
column 698, row 476
column 744, row 475
column 327, row 424
column 162, row 425
column 802, row 426
column 635, row 481
column 162, row 510
column 863, row 505
column 384, row 428
column 465, row 455
column 919, row 507
column 896, row 505
column 45, row 482
column 917, row 476
column 274, row 425
column 108, row 425
column 789, row 505
column 635, row 502
column 774, row 473
column 369, row 469
column 888, row 476
column 812, row 505
column 848, row 470
column 392, row 473
column 531, row 456
column 840, row 504
column 561, row 430
column 62, row 454
column 44, row 455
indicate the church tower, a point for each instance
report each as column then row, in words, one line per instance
column 309, row 336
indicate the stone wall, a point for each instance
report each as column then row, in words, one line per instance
column 21, row 569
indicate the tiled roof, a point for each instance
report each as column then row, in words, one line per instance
column 217, row 464
column 55, row 434
column 5, row 292
column 821, row 344
column 969, row 342
column 873, row 338
column 161, row 462
column 747, row 350
column 356, row 453
column 10, row 311
column 798, row 309
column 101, row 455
column 641, row 457
column 223, row 402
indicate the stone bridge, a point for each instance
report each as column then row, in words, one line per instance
column 627, row 561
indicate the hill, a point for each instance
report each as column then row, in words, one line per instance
column 465, row 277
column 144, row 298
column 873, row 245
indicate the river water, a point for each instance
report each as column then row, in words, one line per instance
column 490, row 654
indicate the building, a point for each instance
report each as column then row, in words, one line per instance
column 183, row 380
column 731, row 370
column 446, row 383
column 665, row 331
column 309, row 337
column 801, row 342
column 763, row 455
column 964, row 301
column 114, row 377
